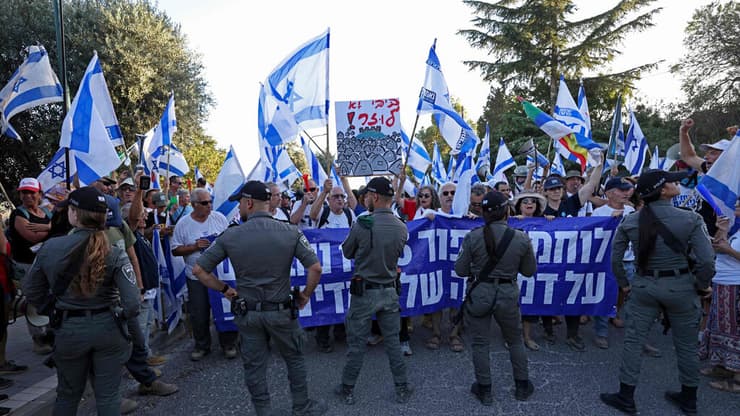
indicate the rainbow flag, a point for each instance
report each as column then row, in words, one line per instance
column 573, row 146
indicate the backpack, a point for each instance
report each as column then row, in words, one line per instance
column 147, row 262
column 325, row 216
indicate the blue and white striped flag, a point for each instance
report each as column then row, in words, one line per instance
column 435, row 98
column 280, row 167
column 228, row 182
column 720, row 187
column 316, row 171
column 172, row 303
column 199, row 176
column 54, row 172
column 504, row 161
column 583, row 108
column 557, row 167
column 484, row 156
column 464, row 164
column 636, row 147
column 34, row 83
column 439, row 173
column 568, row 113
column 655, row 160
column 451, row 165
column 157, row 161
column 84, row 132
column 167, row 126
column 418, row 159
column 297, row 92
column 540, row 171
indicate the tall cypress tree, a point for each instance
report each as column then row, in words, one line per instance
column 533, row 41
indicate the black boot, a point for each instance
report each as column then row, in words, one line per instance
column 524, row 389
column 623, row 401
column 346, row 393
column 685, row 400
column 483, row 393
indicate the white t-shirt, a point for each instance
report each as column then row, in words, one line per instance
column 306, row 223
column 188, row 230
column 280, row 215
column 728, row 267
column 688, row 198
column 606, row 211
column 335, row 220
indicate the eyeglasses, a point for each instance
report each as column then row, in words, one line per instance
column 204, row 203
column 425, row 196
column 338, row 196
column 446, row 193
column 529, row 201
column 310, row 189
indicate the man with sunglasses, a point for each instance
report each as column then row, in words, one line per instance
column 193, row 234
column 300, row 215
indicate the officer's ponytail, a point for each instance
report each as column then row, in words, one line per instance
column 490, row 217
column 92, row 271
column 647, row 230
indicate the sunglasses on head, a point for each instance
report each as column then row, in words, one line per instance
column 446, row 193
column 313, row 189
column 204, row 203
column 424, row 196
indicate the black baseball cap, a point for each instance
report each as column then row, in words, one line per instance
column 107, row 180
column 87, row 198
column 553, row 182
column 618, row 183
column 380, row 186
column 254, row 190
column 652, row 180
column 494, row 200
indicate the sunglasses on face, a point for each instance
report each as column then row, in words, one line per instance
column 310, row 189
column 447, row 193
column 529, row 201
column 425, row 196
column 204, row 203
column 338, row 196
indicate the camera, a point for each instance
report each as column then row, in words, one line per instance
column 144, row 182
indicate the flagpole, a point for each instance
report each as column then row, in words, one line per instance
column 615, row 129
column 411, row 141
column 328, row 154
column 61, row 51
column 7, row 198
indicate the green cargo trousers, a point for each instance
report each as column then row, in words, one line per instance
column 384, row 304
column 255, row 331
column 499, row 301
column 678, row 296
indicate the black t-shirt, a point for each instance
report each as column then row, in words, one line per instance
column 21, row 248
column 569, row 207
column 150, row 218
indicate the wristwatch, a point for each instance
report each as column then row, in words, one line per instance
column 225, row 288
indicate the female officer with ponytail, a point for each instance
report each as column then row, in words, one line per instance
column 675, row 265
column 493, row 255
column 88, row 280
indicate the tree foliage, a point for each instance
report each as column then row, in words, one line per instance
column 533, row 41
column 710, row 69
column 144, row 56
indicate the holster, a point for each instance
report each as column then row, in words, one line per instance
column 121, row 322
column 239, row 306
column 357, row 286
column 294, row 296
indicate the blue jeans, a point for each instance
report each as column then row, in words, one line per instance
column 601, row 323
column 145, row 318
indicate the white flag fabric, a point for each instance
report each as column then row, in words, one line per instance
column 484, row 156
column 34, row 83
column 583, row 108
column 557, row 167
column 504, row 162
column 54, row 172
column 418, row 159
column 316, row 171
column 655, row 160
column 439, row 173
column 156, row 157
column 435, row 98
column 92, row 154
column 568, row 112
column 228, row 182
column 720, row 187
column 635, row 147
column 167, row 126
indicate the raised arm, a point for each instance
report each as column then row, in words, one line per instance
column 688, row 153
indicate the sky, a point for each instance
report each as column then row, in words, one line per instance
column 378, row 49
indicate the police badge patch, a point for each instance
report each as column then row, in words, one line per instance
column 305, row 242
column 128, row 271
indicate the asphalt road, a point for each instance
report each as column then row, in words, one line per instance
column 566, row 382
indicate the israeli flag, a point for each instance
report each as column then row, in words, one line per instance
column 157, row 160
column 439, row 173
column 167, row 126
column 84, row 132
column 280, row 167
column 636, row 147
column 583, row 108
column 450, row 168
column 616, row 136
column 228, row 182
column 655, row 160
column 418, row 159
column 540, row 171
column 557, row 167
column 336, row 179
column 297, row 92
column 435, row 98
column 464, row 164
column 54, row 172
column 172, row 303
column 316, row 171
column 32, row 84
column 504, row 162
column 484, row 156
column 720, row 187
column 568, row 113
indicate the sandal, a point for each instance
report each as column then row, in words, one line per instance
column 531, row 345
column 433, row 343
column 730, row 386
column 717, row 372
column 456, row 344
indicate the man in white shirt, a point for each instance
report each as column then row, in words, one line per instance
column 193, row 234
column 274, row 207
column 334, row 215
column 300, row 215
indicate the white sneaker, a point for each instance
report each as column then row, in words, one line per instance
column 406, row 348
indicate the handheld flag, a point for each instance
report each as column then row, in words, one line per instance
column 439, row 173
column 435, row 98
column 720, row 187
column 616, row 136
column 504, row 162
column 583, row 108
column 418, row 159
column 33, row 84
column 568, row 113
column 557, row 167
column 229, row 180
column 484, row 156
column 636, row 147
column 655, row 160
column 316, row 171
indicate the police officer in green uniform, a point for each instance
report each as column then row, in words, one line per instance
column 92, row 281
column 375, row 242
column 675, row 265
column 261, row 250
column 492, row 256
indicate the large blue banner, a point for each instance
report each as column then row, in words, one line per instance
column 573, row 276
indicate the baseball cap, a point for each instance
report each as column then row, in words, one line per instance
column 721, row 145
column 618, row 183
column 127, row 181
column 493, row 201
column 87, row 198
column 380, row 186
column 574, row 174
column 653, row 179
column 113, row 217
column 107, row 180
column 29, row 184
column 159, row 199
column 254, row 190
column 552, row 182
column 520, row 171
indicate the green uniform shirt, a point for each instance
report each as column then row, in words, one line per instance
column 122, row 237
column 261, row 250
column 376, row 241
column 518, row 257
column 685, row 225
column 119, row 281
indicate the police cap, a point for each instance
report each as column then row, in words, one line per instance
column 652, row 180
column 380, row 186
column 254, row 190
column 87, row 198
column 494, row 201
